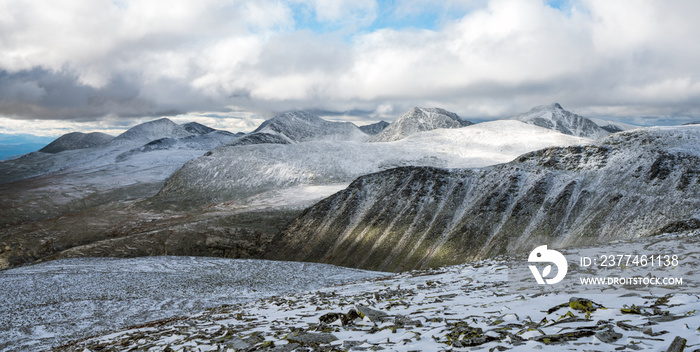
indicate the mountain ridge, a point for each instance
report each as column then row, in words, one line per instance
column 631, row 184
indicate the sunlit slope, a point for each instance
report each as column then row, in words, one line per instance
column 237, row 172
column 631, row 184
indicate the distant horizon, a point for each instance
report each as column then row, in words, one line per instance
column 215, row 122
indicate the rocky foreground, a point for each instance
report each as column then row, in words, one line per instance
column 457, row 308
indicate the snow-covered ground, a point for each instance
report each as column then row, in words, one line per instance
column 234, row 173
column 46, row 304
column 457, row 308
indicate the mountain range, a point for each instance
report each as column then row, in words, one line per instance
column 628, row 185
column 426, row 191
column 163, row 188
column 235, row 172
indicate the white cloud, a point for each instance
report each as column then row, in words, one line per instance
column 384, row 109
column 502, row 57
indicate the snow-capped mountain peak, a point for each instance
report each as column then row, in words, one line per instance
column 554, row 117
column 419, row 119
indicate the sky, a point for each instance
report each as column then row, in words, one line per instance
column 105, row 65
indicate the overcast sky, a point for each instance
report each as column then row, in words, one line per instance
column 106, row 64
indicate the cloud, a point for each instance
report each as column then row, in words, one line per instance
column 89, row 59
column 43, row 94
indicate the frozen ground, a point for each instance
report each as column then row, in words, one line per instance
column 457, row 308
column 46, row 304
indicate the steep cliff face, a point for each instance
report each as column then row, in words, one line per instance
column 631, row 184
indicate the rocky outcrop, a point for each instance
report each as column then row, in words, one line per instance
column 630, row 185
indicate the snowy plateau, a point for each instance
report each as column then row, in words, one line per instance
column 110, row 243
column 51, row 303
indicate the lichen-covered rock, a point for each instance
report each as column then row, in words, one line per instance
column 678, row 345
column 608, row 336
column 311, row 338
column 583, row 304
column 564, row 337
column 371, row 314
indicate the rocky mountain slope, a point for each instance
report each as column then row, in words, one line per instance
column 77, row 140
column 460, row 308
column 631, row 184
column 234, row 173
column 418, row 120
column 556, row 118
